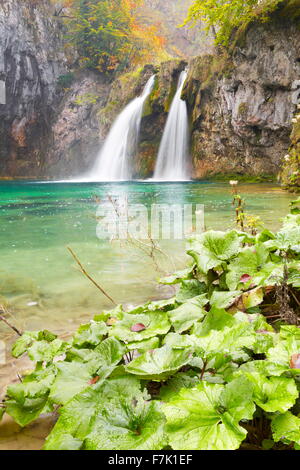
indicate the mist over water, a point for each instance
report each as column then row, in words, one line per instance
column 172, row 161
column 114, row 162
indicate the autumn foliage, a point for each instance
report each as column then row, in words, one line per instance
column 110, row 35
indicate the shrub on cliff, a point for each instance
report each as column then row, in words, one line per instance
column 223, row 17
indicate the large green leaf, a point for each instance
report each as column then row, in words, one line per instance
column 152, row 324
column 178, row 276
column 159, row 364
column 286, row 428
column 114, row 415
column 249, row 261
column 35, row 385
column 77, row 415
column 128, row 424
column 183, row 317
column 90, row 334
column 274, row 394
column 216, row 319
column 43, row 351
column 28, row 339
column 28, row 399
column 180, row 380
column 72, row 378
column 144, row 345
column 287, row 239
column 229, row 341
column 224, row 299
column 29, row 411
column 212, row 248
column 189, row 289
column 283, row 352
column 207, row 417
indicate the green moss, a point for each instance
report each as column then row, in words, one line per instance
column 243, row 108
column 169, row 99
column 131, row 76
column 154, row 95
column 263, row 178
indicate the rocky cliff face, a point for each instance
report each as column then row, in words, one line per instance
column 31, row 60
column 242, row 106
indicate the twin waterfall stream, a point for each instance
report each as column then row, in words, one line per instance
column 114, row 162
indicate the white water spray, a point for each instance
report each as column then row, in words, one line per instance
column 172, row 160
column 114, row 160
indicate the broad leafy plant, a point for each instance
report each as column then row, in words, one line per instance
column 215, row 367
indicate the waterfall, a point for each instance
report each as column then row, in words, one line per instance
column 172, row 160
column 114, row 160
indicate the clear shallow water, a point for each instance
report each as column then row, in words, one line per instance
column 39, row 220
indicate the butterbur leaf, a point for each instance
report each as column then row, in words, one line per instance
column 207, row 417
column 138, row 327
column 35, row 385
column 108, row 355
column 189, row 289
column 159, row 364
column 224, row 299
column 90, row 335
column 144, row 344
column 43, row 351
column 286, row 428
column 283, row 352
column 212, row 248
column 29, row 411
column 28, row 338
column 113, row 416
column 290, row 331
column 274, row 394
column 216, row 319
column 248, row 300
column 180, row 380
column 184, row 316
column 177, row 341
column 28, row 399
column 250, row 261
column 155, row 323
column 230, row 340
column 72, row 378
column 128, row 425
column 67, row 442
column 177, row 277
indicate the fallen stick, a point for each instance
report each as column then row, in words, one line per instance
column 82, row 269
column 2, row 318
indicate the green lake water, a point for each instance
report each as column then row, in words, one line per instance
column 39, row 280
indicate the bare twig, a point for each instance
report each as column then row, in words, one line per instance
column 2, row 318
column 85, row 273
column 295, row 298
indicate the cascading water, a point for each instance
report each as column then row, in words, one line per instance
column 172, row 160
column 114, row 160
